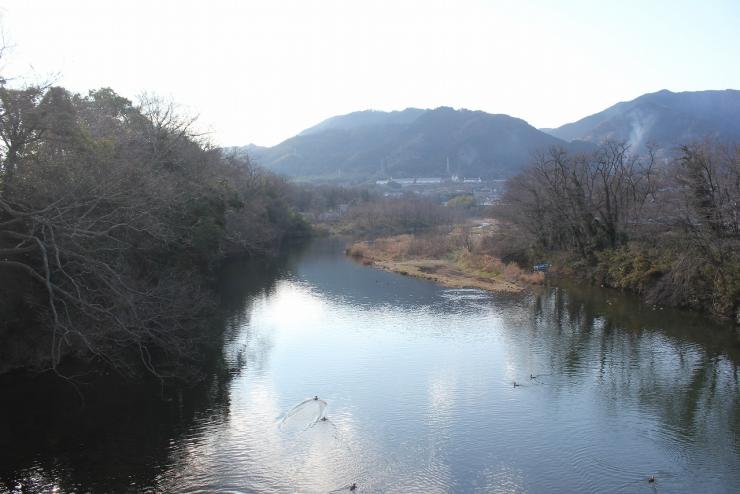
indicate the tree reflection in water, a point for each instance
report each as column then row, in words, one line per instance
column 104, row 433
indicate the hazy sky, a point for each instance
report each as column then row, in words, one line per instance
column 261, row 71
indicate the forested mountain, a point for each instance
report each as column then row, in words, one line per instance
column 365, row 118
column 416, row 142
column 666, row 119
column 407, row 143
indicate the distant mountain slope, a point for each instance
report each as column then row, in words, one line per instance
column 251, row 150
column 665, row 118
column 408, row 143
column 365, row 118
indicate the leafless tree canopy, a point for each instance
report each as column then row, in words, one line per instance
column 670, row 229
column 582, row 202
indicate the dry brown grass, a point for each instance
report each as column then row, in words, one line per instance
column 404, row 247
column 515, row 274
column 452, row 259
column 432, row 246
column 358, row 250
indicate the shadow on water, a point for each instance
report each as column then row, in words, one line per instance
column 342, row 279
column 580, row 315
column 109, row 434
column 679, row 365
column 117, row 438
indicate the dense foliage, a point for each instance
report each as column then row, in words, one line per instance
column 670, row 231
column 111, row 215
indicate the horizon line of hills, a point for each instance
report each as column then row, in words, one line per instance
column 414, row 142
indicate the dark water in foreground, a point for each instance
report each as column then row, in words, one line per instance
column 418, row 382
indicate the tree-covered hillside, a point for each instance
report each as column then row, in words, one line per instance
column 410, row 143
column 111, row 215
column 664, row 119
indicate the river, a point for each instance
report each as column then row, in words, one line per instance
column 426, row 389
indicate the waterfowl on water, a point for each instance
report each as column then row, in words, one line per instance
column 651, row 479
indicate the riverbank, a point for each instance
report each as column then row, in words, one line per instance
column 453, row 259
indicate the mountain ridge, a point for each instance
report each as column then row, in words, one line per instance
column 443, row 141
column 406, row 143
column 665, row 118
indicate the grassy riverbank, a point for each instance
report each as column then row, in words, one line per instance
column 455, row 258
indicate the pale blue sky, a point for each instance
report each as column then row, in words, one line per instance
column 261, row 71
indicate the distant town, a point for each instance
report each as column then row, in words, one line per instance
column 486, row 192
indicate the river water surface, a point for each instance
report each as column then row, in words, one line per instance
column 426, row 389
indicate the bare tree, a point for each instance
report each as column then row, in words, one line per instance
column 583, row 202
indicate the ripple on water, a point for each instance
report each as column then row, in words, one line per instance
column 304, row 415
column 465, row 294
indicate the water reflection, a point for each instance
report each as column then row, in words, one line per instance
column 418, row 383
column 102, row 433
